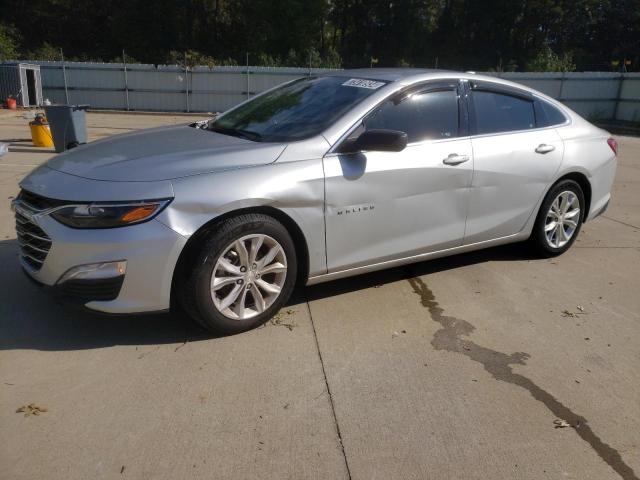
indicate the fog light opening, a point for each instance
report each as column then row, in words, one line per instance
column 95, row 271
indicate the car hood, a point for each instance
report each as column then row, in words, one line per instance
column 162, row 154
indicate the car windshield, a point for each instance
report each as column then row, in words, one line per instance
column 297, row 110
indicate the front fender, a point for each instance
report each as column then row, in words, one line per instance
column 295, row 188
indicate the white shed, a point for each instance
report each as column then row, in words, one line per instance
column 22, row 81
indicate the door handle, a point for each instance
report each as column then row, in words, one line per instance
column 455, row 159
column 542, row 148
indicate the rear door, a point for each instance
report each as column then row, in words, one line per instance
column 514, row 160
column 382, row 206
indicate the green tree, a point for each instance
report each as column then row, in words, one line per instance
column 9, row 42
column 46, row 51
column 455, row 34
column 548, row 61
column 332, row 59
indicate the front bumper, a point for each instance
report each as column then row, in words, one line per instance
column 81, row 292
column 150, row 249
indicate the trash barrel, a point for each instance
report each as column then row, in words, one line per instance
column 68, row 125
column 40, row 132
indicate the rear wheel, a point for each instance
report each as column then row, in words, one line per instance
column 560, row 219
column 245, row 272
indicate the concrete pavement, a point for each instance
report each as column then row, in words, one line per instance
column 454, row 368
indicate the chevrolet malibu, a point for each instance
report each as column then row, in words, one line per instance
column 321, row 178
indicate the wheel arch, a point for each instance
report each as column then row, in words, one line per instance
column 582, row 180
column 189, row 253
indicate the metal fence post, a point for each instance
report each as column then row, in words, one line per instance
column 126, row 83
column 186, row 80
column 618, row 95
column 64, row 76
column 560, row 99
column 248, row 84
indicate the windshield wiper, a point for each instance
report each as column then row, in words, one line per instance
column 238, row 132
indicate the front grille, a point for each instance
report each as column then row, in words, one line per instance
column 34, row 242
column 37, row 203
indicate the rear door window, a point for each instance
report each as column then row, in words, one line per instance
column 427, row 115
column 497, row 112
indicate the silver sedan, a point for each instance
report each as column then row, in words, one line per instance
column 321, row 178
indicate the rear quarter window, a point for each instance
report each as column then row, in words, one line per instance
column 497, row 112
column 548, row 115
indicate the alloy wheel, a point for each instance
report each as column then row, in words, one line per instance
column 248, row 277
column 562, row 219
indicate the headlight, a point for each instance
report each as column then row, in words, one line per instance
column 108, row 215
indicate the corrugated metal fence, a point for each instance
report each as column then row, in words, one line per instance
column 595, row 95
column 163, row 88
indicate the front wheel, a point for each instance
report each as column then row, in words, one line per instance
column 245, row 272
column 559, row 220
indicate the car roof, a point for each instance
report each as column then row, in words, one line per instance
column 385, row 74
column 408, row 76
column 411, row 75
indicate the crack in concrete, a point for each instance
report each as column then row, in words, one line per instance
column 326, row 382
column 620, row 222
column 499, row 365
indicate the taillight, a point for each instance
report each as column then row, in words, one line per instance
column 614, row 145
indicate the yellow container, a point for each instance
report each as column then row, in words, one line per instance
column 41, row 135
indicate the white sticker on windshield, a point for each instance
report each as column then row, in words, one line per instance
column 361, row 83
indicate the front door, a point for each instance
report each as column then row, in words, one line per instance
column 382, row 206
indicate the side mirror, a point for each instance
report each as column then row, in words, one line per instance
column 377, row 140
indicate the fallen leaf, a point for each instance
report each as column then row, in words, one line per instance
column 559, row 423
column 279, row 319
column 569, row 313
column 31, row 409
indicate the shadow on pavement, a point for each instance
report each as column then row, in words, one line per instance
column 512, row 252
column 31, row 319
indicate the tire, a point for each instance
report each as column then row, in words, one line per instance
column 222, row 264
column 549, row 241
